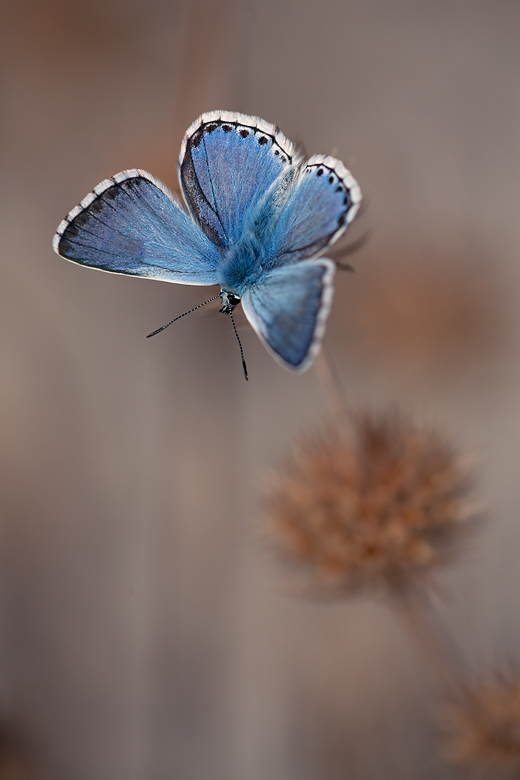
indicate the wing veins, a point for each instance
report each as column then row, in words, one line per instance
column 83, row 230
column 89, row 246
column 159, row 219
column 214, row 210
column 133, row 195
column 309, row 246
column 98, row 218
column 143, row 262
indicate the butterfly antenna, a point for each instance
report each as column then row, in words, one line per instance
column 182, row 315
column 240, row 345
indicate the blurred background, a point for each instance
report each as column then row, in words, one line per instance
column 146, row 631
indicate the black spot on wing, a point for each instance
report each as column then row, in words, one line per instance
column 97, row 205
column 243, row 130
column 110, row 193
column 333, row 177
column 193, row 192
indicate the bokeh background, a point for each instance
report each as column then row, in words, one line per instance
column 146, row 631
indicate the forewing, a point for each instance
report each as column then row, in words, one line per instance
column 288, row 309
column 131, row 224
column 322, row 201
column 227, row 164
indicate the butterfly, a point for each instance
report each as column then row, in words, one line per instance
column 256, row 220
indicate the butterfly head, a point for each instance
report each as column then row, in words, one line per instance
column 229, row 299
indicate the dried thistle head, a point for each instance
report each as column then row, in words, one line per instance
column 378, row 508
column 483, row 728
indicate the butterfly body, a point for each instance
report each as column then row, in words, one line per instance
column 256, row 222
column 243, row 265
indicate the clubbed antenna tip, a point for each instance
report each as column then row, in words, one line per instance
column 244, row 367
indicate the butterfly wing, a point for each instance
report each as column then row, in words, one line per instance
column 288, row 309
column 131, row 224
column 320, row 204
column 227, row 164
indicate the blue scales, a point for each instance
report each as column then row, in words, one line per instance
column 256, row 220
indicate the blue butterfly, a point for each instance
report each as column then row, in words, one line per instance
column 257, row 219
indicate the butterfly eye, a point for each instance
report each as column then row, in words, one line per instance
column 229, row 301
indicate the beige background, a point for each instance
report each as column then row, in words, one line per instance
column 145, row 632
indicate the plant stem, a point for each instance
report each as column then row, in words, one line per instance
column 331, row 385
column 415, row 610
column 432, row 639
